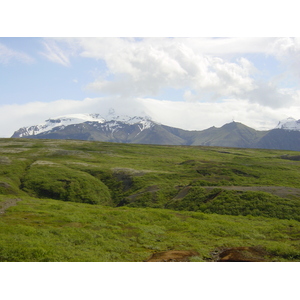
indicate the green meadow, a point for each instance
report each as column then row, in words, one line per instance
column 67, row 200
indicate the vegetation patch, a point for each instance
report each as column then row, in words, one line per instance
column 234, row 202
column 60, row 182
column 53, row 230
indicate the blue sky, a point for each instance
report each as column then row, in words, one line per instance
column 192, row 83
column 35, row 78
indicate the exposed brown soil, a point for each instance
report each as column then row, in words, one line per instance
column 280, row 191
column 5, row 185
column 234, row 254
column 241, row 254
column 7, row 188
column 150, row 189
column 172, row 256
column 5, row 205
column 182, row 193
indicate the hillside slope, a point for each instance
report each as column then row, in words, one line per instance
column 230, row 135
column 280, row 139
column 177, row 177
column 96, row 201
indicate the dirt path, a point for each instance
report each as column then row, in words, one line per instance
column 281, row 191
column 5, row 205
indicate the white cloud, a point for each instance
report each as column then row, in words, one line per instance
column 55, row 53
column 228, row 46
column 199, row 116
column 8, row 54
column 287, row 50
column 207, row 69
column 143, row 68
column 268, row 94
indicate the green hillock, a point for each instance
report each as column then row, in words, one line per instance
column 62, row 183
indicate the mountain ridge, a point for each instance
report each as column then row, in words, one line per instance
column 143, row 130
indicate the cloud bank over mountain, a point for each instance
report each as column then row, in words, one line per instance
column 192, row 83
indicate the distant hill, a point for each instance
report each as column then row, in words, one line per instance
column 143, row 130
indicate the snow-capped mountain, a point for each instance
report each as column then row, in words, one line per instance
column 58, row 123
column 110, row 123
column 142, row 130
column 289, row 124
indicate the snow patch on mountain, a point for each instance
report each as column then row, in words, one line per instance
column 289, row 124
column 112, row 122
column 59, row 123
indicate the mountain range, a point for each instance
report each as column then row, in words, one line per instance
column 143, row 130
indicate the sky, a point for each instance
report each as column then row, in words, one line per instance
column 191, row 83
column 182, row 81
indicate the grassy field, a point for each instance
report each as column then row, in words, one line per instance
column 94, row 201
